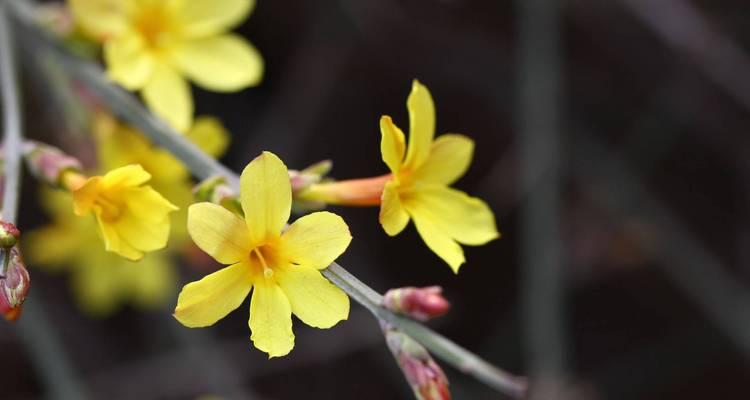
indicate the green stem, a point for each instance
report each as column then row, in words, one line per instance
column 127, row 107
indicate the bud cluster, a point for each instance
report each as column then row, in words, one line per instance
column 215, row 190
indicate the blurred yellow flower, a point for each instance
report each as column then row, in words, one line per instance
column 133, row 218
column 283, row 268
column 419, row 187
column 155, row 45
column 101, row 281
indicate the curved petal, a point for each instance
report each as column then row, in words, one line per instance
column 218, row 232
column 393, row 216
column 316, row 240
column 209, row 135
column 209, row 17
column 314, row 300
column 271, row 320
column 168, row 95
column 147, row 204
column 450, row 157
column 129, row 175
column 421, row 125
column 438, row 240
column 266, row 196
column 224, row 63
column 129, row 62
column 202, row 303
column 141, row 234
column 100, row 19
column 466, row 219
column 392, row 144
column 113, row 242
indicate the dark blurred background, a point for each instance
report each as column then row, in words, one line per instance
column 612, row 145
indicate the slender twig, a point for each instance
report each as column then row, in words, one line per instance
column 539, row 129
column 127, row 107
column 681, row 25
column 34, row 329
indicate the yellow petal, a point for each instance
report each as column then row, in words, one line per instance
column 393, row 215
column 466, row 219
column 224, row 63
column 141, row 234
column 100, row 19
column 168, row 95
column 438, row 240
column 218, row 232
column 114, row 243
column 271, row 320
column 266, row 196
column 202, row 303
column 147, row 204
column 449, row 159
column 209, row 134
column 129, row 62
column 51, row 246
column 129, row 175
column 392, row 144
column 152, row 282
column 210, row 17
column 421, row 125
column 316, row 239
column 314, row 300
column 95, row 286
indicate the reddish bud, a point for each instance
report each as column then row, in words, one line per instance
column 426, row 378
column 47, row 163
column 14, row 285
column 9, row 235
column 419, row 303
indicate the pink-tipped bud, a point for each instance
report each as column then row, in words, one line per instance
column 426, row 378
column 419, row 303
column 14, row 286
column 47, row 163
column 9, row 235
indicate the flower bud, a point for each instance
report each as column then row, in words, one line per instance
column 315, row 173
column 215, row 190
column 14, row 285
column 418, row 303
column 47, row 163
column 426, row 378
column 8, row 235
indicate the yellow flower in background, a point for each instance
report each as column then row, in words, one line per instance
column 101, row 281
column 282, row 268
column 419, row 187
column 155, row 46
column 132, row 218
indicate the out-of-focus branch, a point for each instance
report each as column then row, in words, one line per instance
column 203, row 166
column 539, row 129
column 683, row 258
column 33, row 328
column 682, row 26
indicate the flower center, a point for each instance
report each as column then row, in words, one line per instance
column 111, row 208
column 157, row 26
column 262, row 258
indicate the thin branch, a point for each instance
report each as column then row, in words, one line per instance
column 127, row 107
column 34, row 329
column 539, row 129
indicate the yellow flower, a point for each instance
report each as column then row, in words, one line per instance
column 132, row 218
column 419, row 187
column 101, row 281
column 154, row 45
column 282, row 268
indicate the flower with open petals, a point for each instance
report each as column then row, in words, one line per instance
column 418, row 187
column 281, row 268
column 133, row 218
column 156, row 45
